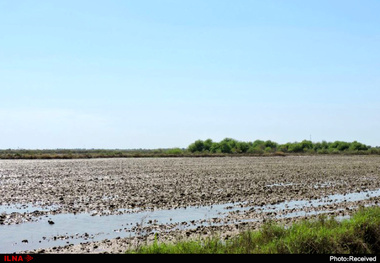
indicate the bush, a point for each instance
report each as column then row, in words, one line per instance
column 322, row 151
column 255, row 150
column 197, row 146
column 215, row 148
column 242, row 147
column 225, row 146
column 176, row 151
column 295, row 148
column 357, row 146
column 232, row 146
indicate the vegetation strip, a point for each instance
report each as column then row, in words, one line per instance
column 359, row 234
column 200, row 148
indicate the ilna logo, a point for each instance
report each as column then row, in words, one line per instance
column 13, row 258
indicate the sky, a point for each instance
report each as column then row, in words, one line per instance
column 162, row 74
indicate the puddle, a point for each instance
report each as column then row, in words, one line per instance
column 27, row 208
column 336, row 198
column 280, row 184
column 74, row 229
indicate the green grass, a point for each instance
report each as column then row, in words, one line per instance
column 358, row 235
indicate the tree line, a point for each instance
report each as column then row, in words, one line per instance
column 200, row 148
column 231, row 146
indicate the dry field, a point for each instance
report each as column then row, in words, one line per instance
column 254, row 188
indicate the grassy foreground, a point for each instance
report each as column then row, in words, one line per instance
column 358, row 235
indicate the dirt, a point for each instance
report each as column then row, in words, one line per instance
column 105, row 187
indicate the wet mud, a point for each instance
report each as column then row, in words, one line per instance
column 110, row 205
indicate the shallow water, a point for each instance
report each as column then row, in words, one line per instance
column 74, row 229
column 27, row 208
column 83, row 227
column 331, row 199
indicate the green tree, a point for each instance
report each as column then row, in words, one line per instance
column 357, row 146
column 283, row 147
column 258, row 144
column 324, row 145
column 242, row 147
column 306, row 145
column 225, row 146
column 197, row 146
column 255, row 149
column 270, row 144
column 207, row 145
column 295, row 147
column 215, row 148
column 343, row 146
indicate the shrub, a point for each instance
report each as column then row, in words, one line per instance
column 295, row 147
column 255, row 150
column 174, row 151
column 197, row 146
column 225, row 146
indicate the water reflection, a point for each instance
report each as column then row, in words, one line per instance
column 74, row 229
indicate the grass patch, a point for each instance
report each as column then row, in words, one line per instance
column 358, row 235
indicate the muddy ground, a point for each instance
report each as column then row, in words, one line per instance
column 105, row 187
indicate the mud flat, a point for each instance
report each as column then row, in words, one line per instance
column 108, row 205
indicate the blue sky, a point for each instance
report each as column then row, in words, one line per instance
column 160, row 74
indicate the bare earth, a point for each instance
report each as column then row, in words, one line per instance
column 105, row 187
